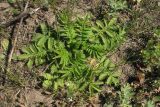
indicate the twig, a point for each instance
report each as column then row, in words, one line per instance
column 24, row 14
column 7, row 24
column 15, row 38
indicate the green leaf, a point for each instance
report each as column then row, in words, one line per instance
column 112, row 21
column 44, row 28
column 50, row 43
column 37, row 36
column 47, row 76
column 39, row 61
column 112, row 80
column 53, row 69
column 32, row 49
column 2, row 56
column 26, row 50
column 83, row 86
column 103, row 76
column 64, row 56
column 95, row 87
column 11, row 1
column 150, row 104
column 111, row 66
column 42, row 41
column 103, row 59
column 110, row 33
column 106, row 63
column 5, row 44
column 30, row 63
column 100, row 24
column 47, row 83
column 65, row 73
column 95, row 28
column 24, row 56
column 98, row 83
column 60, row 82
column 55, row 86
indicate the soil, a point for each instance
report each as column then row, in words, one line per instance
column 22, row 89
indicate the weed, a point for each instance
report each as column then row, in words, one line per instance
column 151, row 53
column 76, row 53
column 117, row 5
column 150, row 103
column 11, row 1
column 126, row 94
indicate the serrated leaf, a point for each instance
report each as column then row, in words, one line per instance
column 2, row 56
column 30, row 63
column 110, row 33
column 47, row 76
column 103, row 76
column 24, row 56
column 55, row 86
column 105, row 23
column 60, row 82
column 36, row 61
column 65, row 74
column 50, row 43
column 42, row 41
column 32, row 49
column 98, row 83
column 54, row 69
column 112, row 22
column 5, row 44
column 39, row 61
column 95, row 87
column 112, row 80
column 103, row 59
column 111, row 66
column 95, row 28
column 122, row 32
column 37, row 36
column 150, row 104
column 107, row 62
column 26, row 50
column 103, row 39
column 83, row 86
column 44, row 28
column 100, row 24
column 47, row 83
column 109, row 80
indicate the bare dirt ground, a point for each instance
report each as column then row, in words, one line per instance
column 21, row 87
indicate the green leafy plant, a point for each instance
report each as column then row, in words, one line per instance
column 111, row 34
column 76, row 54
column 4, row 43
column 11, row 1
column 117, row 5
column 151, row 54
column 150, row 103
column 126, row 94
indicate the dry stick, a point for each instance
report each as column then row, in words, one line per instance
column 13, row 43
column 22, row 15
column 15, row 39
column 7, row 24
